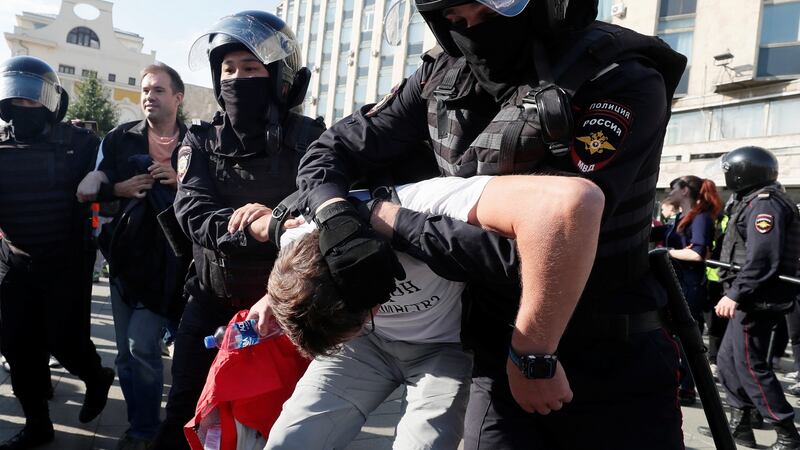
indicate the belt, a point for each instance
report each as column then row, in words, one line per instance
column 612, row 327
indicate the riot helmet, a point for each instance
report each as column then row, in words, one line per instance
column 750, row 167
column 269, row 39
column 30, row 78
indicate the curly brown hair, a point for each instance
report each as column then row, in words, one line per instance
column 305, row 302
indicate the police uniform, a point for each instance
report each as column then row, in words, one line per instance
column 46, row 260
column 619, row 361
column 230, row 269
column 763, row 238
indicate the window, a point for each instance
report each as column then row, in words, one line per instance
column 85, row 73
column 416, row 35
column 368, row 15
column 676, row 28
column 292, row 13
column 301, row 22
column 779, row 51
column 742, row 121
column 604, row 10
column 338, row 103
column 69, row 70
column 84, row 37
column 132, row 81
column 112, row 77
column 385, row 68
column 783, row 116
column 687, row 128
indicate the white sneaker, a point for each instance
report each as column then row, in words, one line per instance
column 4, row 364
column 791, row 376
column 53, row 362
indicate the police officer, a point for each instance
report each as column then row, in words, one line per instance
column 763, row 237
column 521, row 85
column 231, row 173
column 45, row 255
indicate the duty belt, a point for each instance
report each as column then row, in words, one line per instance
column 612, row 327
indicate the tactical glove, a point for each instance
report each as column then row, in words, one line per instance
column 362, row 264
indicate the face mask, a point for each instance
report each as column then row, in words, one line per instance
column 247, row 107
column 27, row 122
column 498, row 52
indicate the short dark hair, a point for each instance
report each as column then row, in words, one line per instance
column 304, row 300
column 174, row 76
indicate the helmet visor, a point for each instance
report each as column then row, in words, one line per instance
column 30, row 87
column 395, row 23
column 507, row 8
column 266, row 43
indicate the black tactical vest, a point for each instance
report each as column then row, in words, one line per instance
column 37, row 188
column 266, row 179
column 469, row 141
column 734, row 249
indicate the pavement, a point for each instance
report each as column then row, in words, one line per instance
column 103, row 432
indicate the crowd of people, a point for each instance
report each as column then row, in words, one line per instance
column 479, row 236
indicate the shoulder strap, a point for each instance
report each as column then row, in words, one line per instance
column 446, row 90
column 286, row 209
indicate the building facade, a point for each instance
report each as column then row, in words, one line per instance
column 79, row 47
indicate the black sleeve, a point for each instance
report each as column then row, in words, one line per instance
column 371, row 138
column 658, row 233
column 620, row 129
column 199, row 209
column 457, row 250
column 765, row 227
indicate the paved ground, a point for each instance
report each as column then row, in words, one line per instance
column 103, row 432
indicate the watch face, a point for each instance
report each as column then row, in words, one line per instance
column 539, row 367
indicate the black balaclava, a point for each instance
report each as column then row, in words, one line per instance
column 499, row 52
column 27, row 122
column 248, row 110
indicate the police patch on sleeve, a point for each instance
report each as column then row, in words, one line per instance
column 386, row 100
column 599, row 135
column 764, row 223
column 184, row 157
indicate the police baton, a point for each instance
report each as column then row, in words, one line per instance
column 736, row 268
column 684, row 326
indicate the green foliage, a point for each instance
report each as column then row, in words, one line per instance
column 92, row 102
column 181, row 116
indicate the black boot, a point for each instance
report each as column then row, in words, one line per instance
column 741, row 428
column 96, row 395
column 788, row 438
column 757, row 420
column 34, row 434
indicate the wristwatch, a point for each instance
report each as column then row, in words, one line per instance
column 536, row 365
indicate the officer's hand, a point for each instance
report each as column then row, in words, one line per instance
column 362, row 264
column 726, row 307
column 539, row 395
column 245, row 215
column 261, row 312
column 90, row 186
column 164, row 173
column 134, row 187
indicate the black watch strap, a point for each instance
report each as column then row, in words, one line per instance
column 535, row 365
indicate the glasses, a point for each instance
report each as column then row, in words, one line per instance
column 367, row 330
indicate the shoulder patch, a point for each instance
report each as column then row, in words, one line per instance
column 386, row 100
column 764, row 223
column 184, row 158
column 763, row 195
column 599, row 135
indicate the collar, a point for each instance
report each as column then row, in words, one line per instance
column 140, row 129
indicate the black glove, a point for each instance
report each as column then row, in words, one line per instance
column 362, row 264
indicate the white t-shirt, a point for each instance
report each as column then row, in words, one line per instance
column 424, row 307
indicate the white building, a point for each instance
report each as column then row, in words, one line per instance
column 79, row 47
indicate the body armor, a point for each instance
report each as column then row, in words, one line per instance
column 264, row 178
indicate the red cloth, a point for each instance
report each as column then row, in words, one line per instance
column 249, row 385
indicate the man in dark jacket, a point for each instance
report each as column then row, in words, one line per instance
column 46, row 255
column 520, row 85
column 146, row 278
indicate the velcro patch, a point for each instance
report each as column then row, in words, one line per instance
column 184, row 157
column 764, row 223
column 599, row 134
column 386, row 100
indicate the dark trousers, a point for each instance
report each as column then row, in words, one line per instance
column 743, row 369
column 793, row 324
column 634, row 382
column 716, row 324
column 695, row 288
column 191, row 362
column 45, row 310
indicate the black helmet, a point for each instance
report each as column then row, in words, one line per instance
column 749, row 167
column 32, row 79
column 269, row 39
column 548, row 16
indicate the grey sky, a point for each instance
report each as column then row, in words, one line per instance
column 168, row 26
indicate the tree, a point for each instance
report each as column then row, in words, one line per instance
column 92, row 102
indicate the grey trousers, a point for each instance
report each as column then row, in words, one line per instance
column 332, row 400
